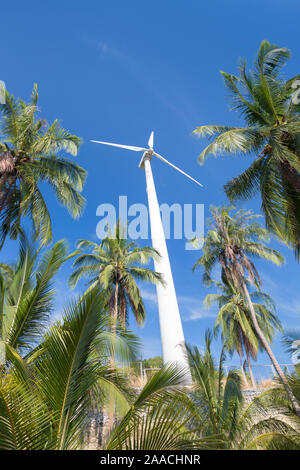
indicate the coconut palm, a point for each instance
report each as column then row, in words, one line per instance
column 234, row 321
column 267, row 104
column 266, row 423
column 46, row 398
column 29, row 156
column 116, row 265
column 232, row 243
column 291, row 340
column 6, row 271
column 159, row 417
column 210, row 415
column 27, row 294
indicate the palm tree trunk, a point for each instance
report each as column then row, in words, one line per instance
column 243, row 373
column 3, row 179
column 250, row 368
column 290, row 174
column 7, row 194
column 270, row 353
column 114, row 319
column 115, row 312
column 3, row 197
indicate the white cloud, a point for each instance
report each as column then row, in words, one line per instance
column 148, row 295
column 193, row 305
column 286, row 302
column 187, row 299
column 268, row 281
column 289, row 307
column 199, row 314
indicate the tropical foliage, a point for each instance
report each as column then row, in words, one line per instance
column 153, row 362
column 267, row 104
column 158, row 418
column 116, row 265
column 213, row 415
column 27, row 294
column 224, row 413
column 30, row 155
column 291, row 340
column 55, row 375
column 234, row 321
column 230, row 244
column 46, row 398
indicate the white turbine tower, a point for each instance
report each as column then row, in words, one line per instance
column 172, row 338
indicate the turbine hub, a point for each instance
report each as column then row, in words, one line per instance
column 146, row 155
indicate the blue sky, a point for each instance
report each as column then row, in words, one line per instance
column 117, row 70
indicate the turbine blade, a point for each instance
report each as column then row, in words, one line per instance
column 151, row 140
column 128, row 147
column 176, row 168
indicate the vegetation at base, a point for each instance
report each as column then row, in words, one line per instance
column 153, row 362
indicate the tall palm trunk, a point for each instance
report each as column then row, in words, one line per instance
column 240, row 353
column 114, row 319
column 270, row 353
column 249, row 367
column 115, row 312
column 3, row 193
column 290, row 174
column 243, row 373
column 7, row 192
column 3, row 179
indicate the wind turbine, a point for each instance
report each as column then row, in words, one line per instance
column 172, row 338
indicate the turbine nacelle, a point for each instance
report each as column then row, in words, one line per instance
column 149, row 153
column 146, row 155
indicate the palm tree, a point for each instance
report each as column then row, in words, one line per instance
column 159, row 417
column 27, row 294
column 115, row 265
column 291, row 340
column 272, row 133
column 231, row 243
column 29, row 156
column 46, row 397
column 234, row 320
column 211, row 415
column 266, row 423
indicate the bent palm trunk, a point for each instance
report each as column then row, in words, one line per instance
column 250, row 368
column 270, row 353
column 243, row 373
